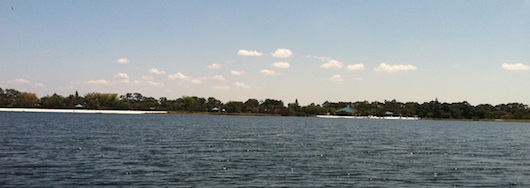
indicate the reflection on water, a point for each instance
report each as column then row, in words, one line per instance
column 230, row 151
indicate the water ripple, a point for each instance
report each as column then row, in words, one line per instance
column 69, row 150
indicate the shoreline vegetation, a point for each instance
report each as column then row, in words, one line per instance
column 89, row 111
column 136, row 102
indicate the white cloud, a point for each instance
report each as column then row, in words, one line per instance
column 336, row 78
column 214, row 66
column 19, row 81
column 124, row 77
column 178, row 76
column 182, row 77
column 282, row 53
column 126, row 81
column 156, row 71
column 156, row 84
column 269, row 72
column 218, row 77
column 121, row 76
column 221, row 87
column 123, row 61
column 319, row 58
column 237, row 73
column 240, row 85
column 148, row 78
column 332, row 64
column 355, row 67
column 41, row 85
column 394, row 68
column 515, row 66
column 249, row 53
column 282, row 65
column 198, row 80
column 97, row 82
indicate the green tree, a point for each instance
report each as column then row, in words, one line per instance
column 251, row 106
column 272, row 106
column 313, row 109
column 8, row 97
column 54, row 101
column 213, row 103
column 101, row 100
column 24, row 99
column 393, row 106
column 234, row 106
column 294, row 109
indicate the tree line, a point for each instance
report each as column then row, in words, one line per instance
column 193, row 104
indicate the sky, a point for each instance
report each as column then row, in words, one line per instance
column 314, row 51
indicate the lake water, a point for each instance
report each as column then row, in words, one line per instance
column 71, row 150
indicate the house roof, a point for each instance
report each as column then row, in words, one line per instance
column 347, row 109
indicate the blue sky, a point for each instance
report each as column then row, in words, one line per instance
column 313, row 51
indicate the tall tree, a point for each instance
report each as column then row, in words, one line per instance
column 234, row 106
column 54, row 101
column 251, row 105
column 24, row 99
column 213, row 103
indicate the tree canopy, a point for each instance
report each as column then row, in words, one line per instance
column 136, row 101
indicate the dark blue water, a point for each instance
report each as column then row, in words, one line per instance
column 71, row 150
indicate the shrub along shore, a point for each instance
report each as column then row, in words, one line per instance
column 11, row 98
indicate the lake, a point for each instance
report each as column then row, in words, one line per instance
column 93, row 150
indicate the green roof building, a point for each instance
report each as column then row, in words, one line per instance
column 348, row 110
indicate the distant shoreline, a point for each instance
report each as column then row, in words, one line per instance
column 88, row 111
column 80, row 111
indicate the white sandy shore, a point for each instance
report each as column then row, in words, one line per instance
column 80, row 111
column 370, row 117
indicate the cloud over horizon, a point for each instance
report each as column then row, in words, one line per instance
column 214, row 66
column 156, row 84
column 336, row 78
column 124, row 78
column 282, row 53
column 218, row 77
column 269, row 72
column 249, row 53
column 121, row 76
column 97, row 82
column 156, row 71
column 282, row 65
column 123, row 61
column 318, row 58
column 237, row 73
column 240, row 85
column 148, row 78
column 355, row 67
column 221, row 87
column 182, row 77
column 19, row 81
column 515, row 67
column 383, row 67
column 40, row 85
column 332, row 64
